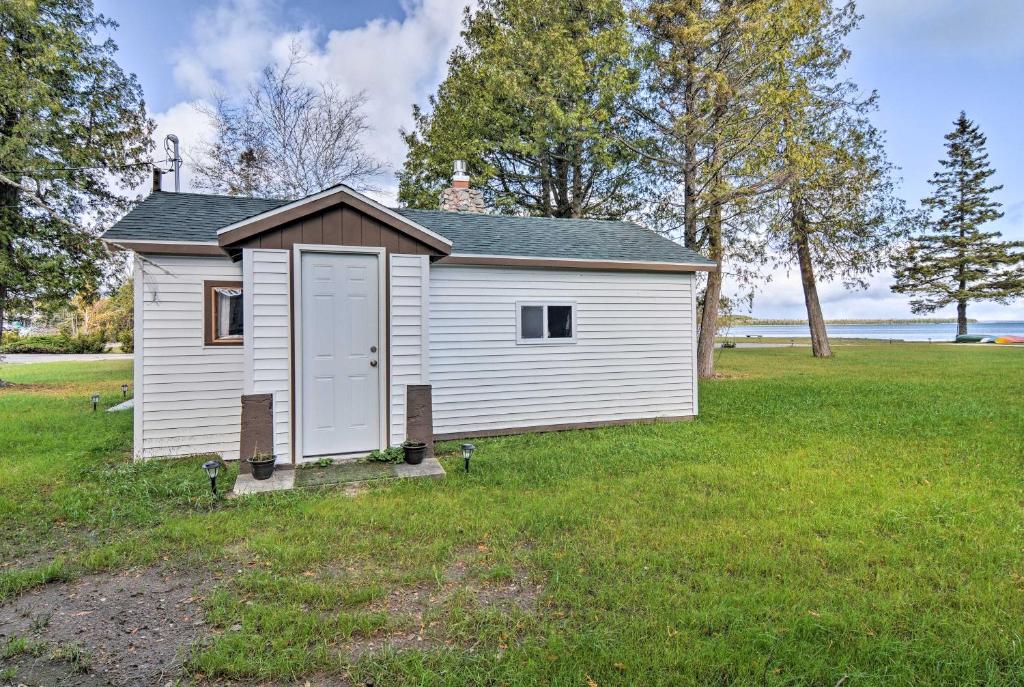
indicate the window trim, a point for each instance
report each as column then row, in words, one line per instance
column 546, row 340
column 210, row 310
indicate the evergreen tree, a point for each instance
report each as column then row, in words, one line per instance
column 951, row 259
column 531, row 102
column 836, row 216
column 714, row 98
column 73, row 127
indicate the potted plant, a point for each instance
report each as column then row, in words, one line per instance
column 262, row 464
column 414, row 451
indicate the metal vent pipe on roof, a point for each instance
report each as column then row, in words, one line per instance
column 174, row 157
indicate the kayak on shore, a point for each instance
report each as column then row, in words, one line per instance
column 988, row 338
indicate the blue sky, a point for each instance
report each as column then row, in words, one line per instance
column 928, row 59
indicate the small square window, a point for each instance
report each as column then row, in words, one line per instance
column 549, row 323
column 223, row 321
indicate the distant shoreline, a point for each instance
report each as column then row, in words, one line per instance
column 744, row 321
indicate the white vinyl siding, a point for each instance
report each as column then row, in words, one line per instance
column 267, row 343
column 410, row 280
column 188, row 395
column 632, row 357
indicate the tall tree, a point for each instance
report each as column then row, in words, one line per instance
column 712, row 100
column 531, row 102
column 836, row 216
column 73, row 127
column 287, row 139
column 951, row 259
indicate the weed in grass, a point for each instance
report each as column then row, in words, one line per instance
column 72, row 653
column 392, row 454
column 41, row 622
column 17, row 646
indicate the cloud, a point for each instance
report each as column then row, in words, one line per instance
column 396, row 62
column 229, row 44
column 782, row 297
column 946, row 29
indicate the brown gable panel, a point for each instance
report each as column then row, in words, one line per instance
column 337, row 227
column 340, row 219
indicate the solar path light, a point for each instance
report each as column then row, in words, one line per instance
column 212, row 467
column 467, row 453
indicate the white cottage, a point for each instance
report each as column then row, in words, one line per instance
column 332, row 325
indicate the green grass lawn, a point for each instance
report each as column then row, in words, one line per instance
column 861, row 516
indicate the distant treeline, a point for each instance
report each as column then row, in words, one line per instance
column 747, row 321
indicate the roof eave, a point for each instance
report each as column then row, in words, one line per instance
column 157, row 247
column 577, row 263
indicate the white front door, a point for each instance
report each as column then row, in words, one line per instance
column 341, row 369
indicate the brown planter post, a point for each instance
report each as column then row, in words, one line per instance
column 419, row 415
column 257, row 428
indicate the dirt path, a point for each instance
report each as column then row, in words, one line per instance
column 131, row 628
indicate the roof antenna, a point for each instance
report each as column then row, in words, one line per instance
column 174, row 157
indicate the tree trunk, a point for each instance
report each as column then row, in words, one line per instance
column 8, row 215
column 713, row 293
column 712, row 296
column 820, row 346
column 8, row 210
column 690, row 239
column 709, row 327
column 961, row 302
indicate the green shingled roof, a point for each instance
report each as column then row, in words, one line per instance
column 549, row 237
column 197, row 217
column 167, row 216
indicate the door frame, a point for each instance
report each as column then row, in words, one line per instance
column 383, row 316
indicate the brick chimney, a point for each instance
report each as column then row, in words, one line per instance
column 459, row 197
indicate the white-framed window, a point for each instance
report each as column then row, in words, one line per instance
column 545, row 322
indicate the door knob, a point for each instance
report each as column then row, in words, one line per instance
column 373, row 363
column 373, row 349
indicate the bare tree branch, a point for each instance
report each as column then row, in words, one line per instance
column 287, row 140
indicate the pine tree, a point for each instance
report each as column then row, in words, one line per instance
column 532, row 103
column 73, row 127
column 950, row 259
column 837, row 217
column 713, row 100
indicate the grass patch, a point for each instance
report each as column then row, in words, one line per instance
column 859, row 516
column 18, row 646
column 67, row 483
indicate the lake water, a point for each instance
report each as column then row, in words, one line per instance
column 906, row 332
